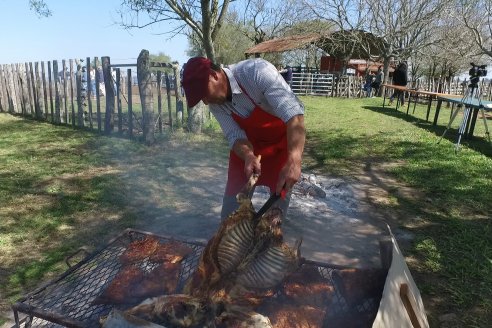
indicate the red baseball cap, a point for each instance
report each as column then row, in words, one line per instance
column 195, row 79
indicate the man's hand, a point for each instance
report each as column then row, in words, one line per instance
column 244, row 149
column 291, row 172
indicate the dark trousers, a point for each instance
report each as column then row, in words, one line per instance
column 398, row 94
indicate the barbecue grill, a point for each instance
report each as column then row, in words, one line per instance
column 68, row 300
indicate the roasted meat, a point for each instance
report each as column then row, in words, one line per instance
column 132, row 285
column 308, row 287
column 178, row 310
column 139, row 250
column 293, row 316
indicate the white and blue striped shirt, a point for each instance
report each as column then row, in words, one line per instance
column 265, row 86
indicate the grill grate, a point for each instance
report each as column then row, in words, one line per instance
column 67, row 300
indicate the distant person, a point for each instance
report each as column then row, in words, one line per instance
column 113, row 76
column 63, row 75
column 378, row 80
column 92, row 74
column 369, row 78
column 400, row 78
column 181, row 79
column 286, row 74
column 100, row 75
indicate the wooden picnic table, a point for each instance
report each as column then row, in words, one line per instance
column 440, row 97
column 472, row 103
column 415, row 93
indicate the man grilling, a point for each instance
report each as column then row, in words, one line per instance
column 259, row 115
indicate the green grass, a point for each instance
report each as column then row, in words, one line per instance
column 453, row 245
column 57, row 183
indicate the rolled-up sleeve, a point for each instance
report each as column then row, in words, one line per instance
column 229, row 127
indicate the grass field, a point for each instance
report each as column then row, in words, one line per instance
column 57, row 183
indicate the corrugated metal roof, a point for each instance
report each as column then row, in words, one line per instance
column 285, row 43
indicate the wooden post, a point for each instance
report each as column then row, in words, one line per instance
column 80, row 104
column 65, row 91
column 2, row 94
column 118, row 100
column 9, row 89
column 16, row 93
column 159, row 101
column 18, row 87
column 45, row 93
column 98, row 99
column 24, row 89
column 70, row 61
column 57, row 92
column 89, row 89
column 108, row 86
column 39, row 98
column 177, row 94
column 130, row 111
column 33, row 89
column 146, row 98
column 50, row 85
column 168, row 91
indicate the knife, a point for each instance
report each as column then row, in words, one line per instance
column 273, row 198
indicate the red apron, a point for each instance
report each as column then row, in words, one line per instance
column 268, row 135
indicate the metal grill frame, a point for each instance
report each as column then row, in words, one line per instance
column 66, row 301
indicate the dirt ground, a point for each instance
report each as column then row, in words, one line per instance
column 178, row 191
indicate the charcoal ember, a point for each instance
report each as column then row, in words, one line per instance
column 358, row 285
column 139, row 250
column 308, row 287
column 171, row 251
column 284, row 315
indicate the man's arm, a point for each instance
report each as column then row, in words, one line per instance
column 296, row 137
column 244, row 149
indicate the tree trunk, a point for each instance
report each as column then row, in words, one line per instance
column 146, row 98
column 108, row 86
column 195, row 118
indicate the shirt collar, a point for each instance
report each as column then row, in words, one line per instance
column 235, row 88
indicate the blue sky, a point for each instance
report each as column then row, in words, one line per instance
column 78, row 29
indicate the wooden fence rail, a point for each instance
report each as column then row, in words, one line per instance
column 329, row 85
column 73, row 92
column 63, row 92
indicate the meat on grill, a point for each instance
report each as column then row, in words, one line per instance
column 283, row 315
column 133, row 284
column 308, row 287
column 150, row 248
column 178, row 310
column 245, row 258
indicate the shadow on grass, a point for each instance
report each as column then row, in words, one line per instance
column 479, row 144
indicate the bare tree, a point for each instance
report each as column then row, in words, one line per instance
column 476, row 17
column 405, row 26
column 264, row 20
column 40, row 8
column 203, row 17
column 350, row 19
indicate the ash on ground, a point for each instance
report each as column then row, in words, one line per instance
column 331, row 220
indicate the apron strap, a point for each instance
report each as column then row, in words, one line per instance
column 247, row 95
